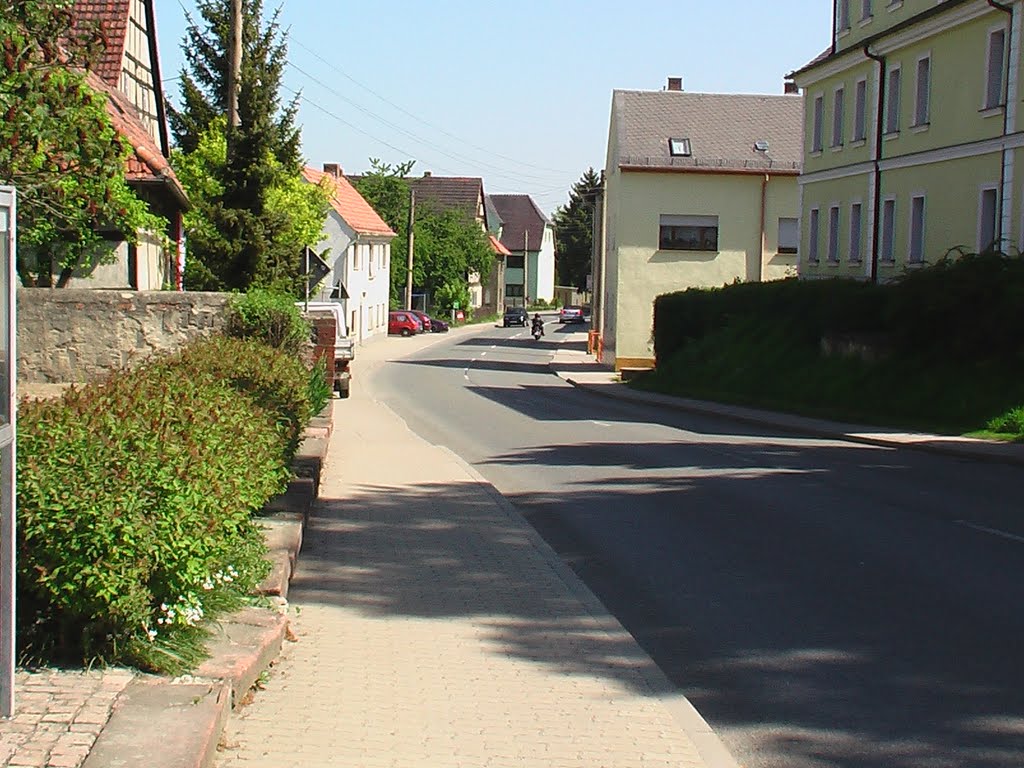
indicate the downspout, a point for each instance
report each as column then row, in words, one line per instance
column 879, row 122
column 1003, row 197
column 764, row 224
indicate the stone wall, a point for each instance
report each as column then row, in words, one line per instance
column 74, row 335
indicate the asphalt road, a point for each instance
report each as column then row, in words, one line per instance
column 821, row 603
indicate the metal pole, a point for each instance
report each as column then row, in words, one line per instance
column 305, row 275
column 412, row 237
column 8, row 447
column 526, row 268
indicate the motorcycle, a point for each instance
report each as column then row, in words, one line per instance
column 538, row 331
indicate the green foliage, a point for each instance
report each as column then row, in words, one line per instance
column 319, row 389
column 385, row 188
column 270, row 317
column 1009, row 423
column 58, row 147
column 450, row 294
column 945, row 345
column 574, row 231
column 253, row 213
column 135, row 497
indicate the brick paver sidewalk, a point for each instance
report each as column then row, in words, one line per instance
column 434, row 628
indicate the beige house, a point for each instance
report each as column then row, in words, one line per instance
column 700, row 190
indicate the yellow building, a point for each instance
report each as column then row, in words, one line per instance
column 700, row 190
column 911, row 142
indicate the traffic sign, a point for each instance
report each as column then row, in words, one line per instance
column 313, row 268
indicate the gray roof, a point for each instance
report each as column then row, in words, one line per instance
column 722, row 128
column 519, row 216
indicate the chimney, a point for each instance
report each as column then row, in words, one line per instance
column 675, row 84
column 427, row 174
column 332, row 169
column 790, row 88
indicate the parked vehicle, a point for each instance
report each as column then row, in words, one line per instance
column 437, row 325
column 403, row 323
column 570, row 315
column 515, row 316
column 424, row 319
column 344, row 347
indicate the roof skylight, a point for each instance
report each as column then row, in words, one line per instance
column 679, row 148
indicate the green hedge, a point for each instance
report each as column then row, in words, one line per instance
column 135, row 497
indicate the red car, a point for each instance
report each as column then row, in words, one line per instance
column 403, row 323
column 424, row 319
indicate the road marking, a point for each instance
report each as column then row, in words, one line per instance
column 993, row 531
column 483, row 354
column 600, row 423
column 494, row 346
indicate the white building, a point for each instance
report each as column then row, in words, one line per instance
column 356, row 244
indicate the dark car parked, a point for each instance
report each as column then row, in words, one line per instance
column 437, row 325
column 515, row 316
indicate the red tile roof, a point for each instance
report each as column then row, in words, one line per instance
column 147, row 163
column 349, row 204
column 499, row 249
column 111, row 16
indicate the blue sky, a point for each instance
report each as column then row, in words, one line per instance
column 517, row 92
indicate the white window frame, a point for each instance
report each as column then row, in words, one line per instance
column 983, row 189
column 835, row 227
column 856, row 257
column 893, row 108
column 813, row 235
column 916, row 240
column 987, row 105
column 838, row 117
column 922, row 120
column 795, row 247
column 888, row 243
column 860, row 110
column 817, row 123
column 866, row 12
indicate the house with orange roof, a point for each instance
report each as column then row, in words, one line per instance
column 356, row 243
column 128, row 74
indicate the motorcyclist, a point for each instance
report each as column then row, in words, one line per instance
column 538, row 324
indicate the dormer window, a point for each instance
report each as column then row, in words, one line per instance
column 679, row 148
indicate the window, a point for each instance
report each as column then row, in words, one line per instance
column 865, row 10
column 888, row 230
column 860, row 110
column 355, row 257
column 514, row 291
column 855, row 232
column 688, row 233
column 515, row 261
column 994, row 75
column 892, row 101
column 838, row 117
column 819, row 116
column 916, row 250
column 922, row 92
column 988, row 209
column 833, row 234
column 844, row 15
column 812, row 236
column 789, row 235
column 679, row 148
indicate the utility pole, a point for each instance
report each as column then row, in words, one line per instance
column 526, row 268
column 234, row 65
column 408, row 269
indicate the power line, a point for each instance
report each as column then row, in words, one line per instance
column 406, row 112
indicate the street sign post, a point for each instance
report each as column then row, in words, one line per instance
column 314, row 269
column 8, row 417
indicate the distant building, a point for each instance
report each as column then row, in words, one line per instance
column 700, row 190
column 529, row 237
column 911, row 139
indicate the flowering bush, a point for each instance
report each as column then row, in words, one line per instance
column 135, row 497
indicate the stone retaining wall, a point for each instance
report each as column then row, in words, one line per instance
column 74, row 335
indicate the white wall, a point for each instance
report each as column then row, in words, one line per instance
column 546, row 266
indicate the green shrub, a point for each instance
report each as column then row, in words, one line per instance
column 1009, row 423
column 319, row 389
column 268, row 316
column 135, row 497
